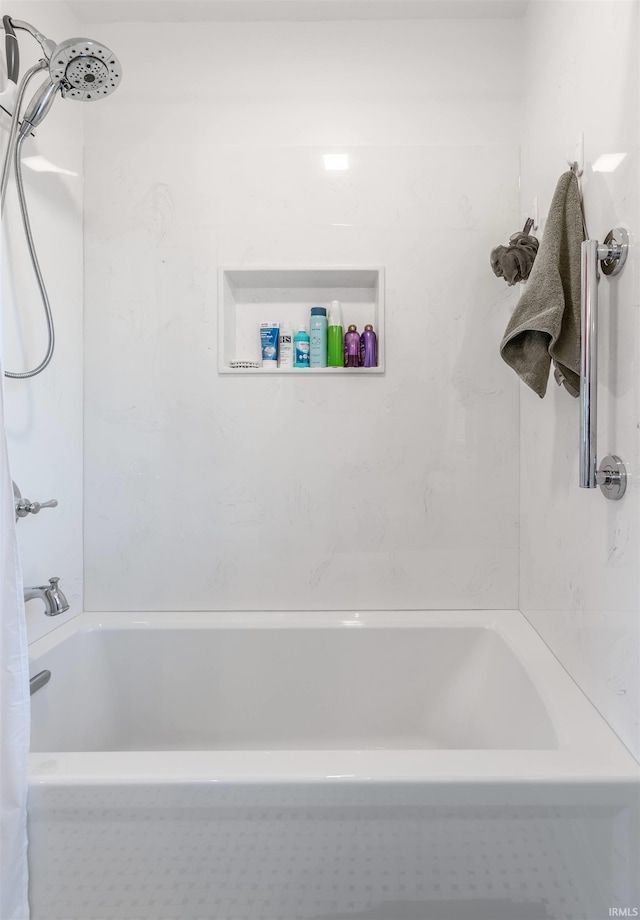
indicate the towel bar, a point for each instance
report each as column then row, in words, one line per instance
column 612, row 254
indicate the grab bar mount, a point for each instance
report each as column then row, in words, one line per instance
column 612, row 477
column 613, row 254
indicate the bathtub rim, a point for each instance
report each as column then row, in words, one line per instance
column 588, row 749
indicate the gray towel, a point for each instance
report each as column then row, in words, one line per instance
column 546, row 321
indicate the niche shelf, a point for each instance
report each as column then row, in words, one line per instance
column 250, row 296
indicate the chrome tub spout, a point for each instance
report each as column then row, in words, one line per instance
column 51, row 595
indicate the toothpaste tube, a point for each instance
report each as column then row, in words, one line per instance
column 269, row 343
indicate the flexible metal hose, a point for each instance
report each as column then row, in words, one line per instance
column 36, row 268
column 17, row 148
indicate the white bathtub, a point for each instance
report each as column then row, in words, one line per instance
column 398, row 766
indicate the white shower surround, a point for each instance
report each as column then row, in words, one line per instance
column 259, row 161
column 580, row 554
column 302, row 118
column 598, row 599
column 322, row 492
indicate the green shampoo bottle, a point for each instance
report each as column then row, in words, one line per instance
column 335, row 336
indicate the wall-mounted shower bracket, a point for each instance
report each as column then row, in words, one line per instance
column 611, row 476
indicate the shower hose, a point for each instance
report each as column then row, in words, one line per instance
column 14, row 149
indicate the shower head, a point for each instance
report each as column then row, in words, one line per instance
column 85, row 69
column 80, row 68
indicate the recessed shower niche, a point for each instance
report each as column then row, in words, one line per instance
column 250, row 296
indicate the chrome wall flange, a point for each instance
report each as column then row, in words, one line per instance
column 612, row 477
column 613, row 253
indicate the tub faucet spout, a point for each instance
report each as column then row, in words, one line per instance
column 54, row 600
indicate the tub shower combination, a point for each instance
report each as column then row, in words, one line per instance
column 383, row 765
column 398, row 766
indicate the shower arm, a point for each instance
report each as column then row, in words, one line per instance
column 47, row 45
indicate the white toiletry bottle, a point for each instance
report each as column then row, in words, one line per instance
column 285, row 350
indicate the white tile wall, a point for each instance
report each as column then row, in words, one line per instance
column 44, row 414
column 580, row 583
column 209, row 492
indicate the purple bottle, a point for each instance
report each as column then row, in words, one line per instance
column 368, row 347
column 352, row 347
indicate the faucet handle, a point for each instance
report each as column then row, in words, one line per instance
column 25, row 506
column 34, row 507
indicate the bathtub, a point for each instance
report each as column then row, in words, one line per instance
column 389, row 766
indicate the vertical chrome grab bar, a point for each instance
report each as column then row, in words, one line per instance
column 589, row 365
column 611, row 477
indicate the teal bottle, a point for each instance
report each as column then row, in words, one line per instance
column 301, row 347
column 318, row 337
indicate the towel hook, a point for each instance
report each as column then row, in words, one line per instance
column 611, row 476
column 576, row 162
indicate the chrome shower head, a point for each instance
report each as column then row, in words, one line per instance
column 79, row 68
column 85, row 69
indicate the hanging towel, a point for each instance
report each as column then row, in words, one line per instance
column 545, row 324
